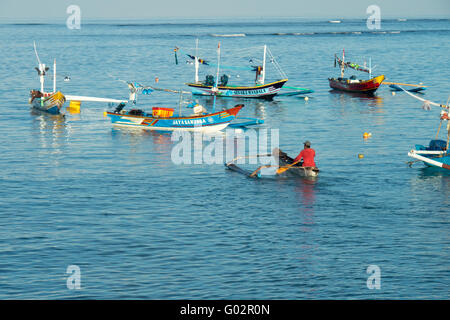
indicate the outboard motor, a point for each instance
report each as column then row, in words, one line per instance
column 223, row 80
column 209, row 80
column 437, row 145
column 119, row 107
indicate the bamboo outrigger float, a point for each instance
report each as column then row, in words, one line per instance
column 437, row 153
column 352, row 84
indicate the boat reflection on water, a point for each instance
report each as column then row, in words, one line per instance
column 161, row 139
column 346, row 99
column 52, row 130
column 305, row 194
column 260, row 109
column 431, row 180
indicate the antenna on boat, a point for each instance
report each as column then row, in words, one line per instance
column 54, row 75
column 263, row 78
column 196, row 60
column 41, row 69
column 181, row 100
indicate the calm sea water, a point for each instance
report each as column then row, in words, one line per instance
column 75, row 191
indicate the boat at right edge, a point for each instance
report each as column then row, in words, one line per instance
column 436, row 154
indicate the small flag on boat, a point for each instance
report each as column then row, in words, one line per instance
column 176, row 58
column 147, row 91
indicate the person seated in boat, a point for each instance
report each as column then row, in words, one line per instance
column 307, row 154
column 209, row 81
column 223, row 80
column 35, row 94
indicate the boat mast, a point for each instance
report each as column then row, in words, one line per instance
column 263, row 78
column 41, row 68
column 370, row 68
column 343, row 63
column 196, row 61
column 215, row 89
column 54, row 75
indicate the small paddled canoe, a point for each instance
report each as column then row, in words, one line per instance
column 283, row 160
column 356, row 85
column 47, row 102
column 297, row 169
column 137, row 118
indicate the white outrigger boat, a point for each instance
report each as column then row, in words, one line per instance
column 52, row 102
column 437, row 153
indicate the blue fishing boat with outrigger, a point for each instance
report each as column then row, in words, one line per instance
column 221, row 88
column 437, row 153
column 163, row 119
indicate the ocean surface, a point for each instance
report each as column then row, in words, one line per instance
column 76, row 191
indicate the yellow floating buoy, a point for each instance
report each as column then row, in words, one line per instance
column 393, row 93
column 306, row 98
column 367, row 135
column 74, row 106
column 360, row 155
column 104, row 113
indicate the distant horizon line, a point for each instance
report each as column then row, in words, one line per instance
column 329, row 18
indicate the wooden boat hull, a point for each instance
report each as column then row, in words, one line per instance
column 295, row 170
column 367, row 86
column 267, row 91
column 51, row 104
column 203, row 123
column 283, row 160
column 435, row 155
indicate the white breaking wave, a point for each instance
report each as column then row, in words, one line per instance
column 228, row 35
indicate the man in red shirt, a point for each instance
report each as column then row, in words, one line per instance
column 307, row 154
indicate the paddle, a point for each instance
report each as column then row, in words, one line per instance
column 283, row 169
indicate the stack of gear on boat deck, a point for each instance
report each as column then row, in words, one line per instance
column 199, row 109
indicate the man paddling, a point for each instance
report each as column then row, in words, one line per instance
column 307, row 154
